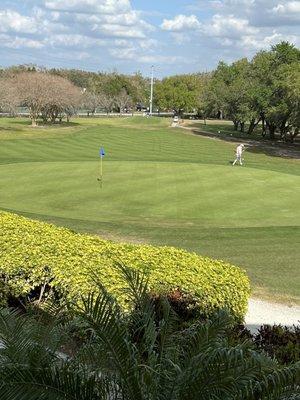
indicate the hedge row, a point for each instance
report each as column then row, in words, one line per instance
column 33, row 252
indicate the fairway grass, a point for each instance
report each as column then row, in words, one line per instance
column 160, row 186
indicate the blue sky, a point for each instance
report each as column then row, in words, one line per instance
column 177, row 36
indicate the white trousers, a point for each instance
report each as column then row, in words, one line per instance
column 239, row 159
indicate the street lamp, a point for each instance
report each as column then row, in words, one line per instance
column 151, row 91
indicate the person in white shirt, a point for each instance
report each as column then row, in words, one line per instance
column 239, row 152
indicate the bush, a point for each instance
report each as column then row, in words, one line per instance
column 35, row 255
column 136, row 355
column 280, row 342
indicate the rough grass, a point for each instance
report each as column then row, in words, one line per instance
column 160, row 186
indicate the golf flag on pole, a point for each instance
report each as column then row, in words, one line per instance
column 101, row 152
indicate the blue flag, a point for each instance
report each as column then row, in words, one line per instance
column 101, row 152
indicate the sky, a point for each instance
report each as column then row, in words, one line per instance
column 176, row 36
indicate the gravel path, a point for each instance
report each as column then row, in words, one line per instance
column 262, row 312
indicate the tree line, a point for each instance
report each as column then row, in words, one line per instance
column 263, row 92
column 52, row 95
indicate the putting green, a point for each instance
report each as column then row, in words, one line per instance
column 160, row 186
column 166, row 193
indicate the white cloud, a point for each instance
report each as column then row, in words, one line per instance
column 128, row 19
column 264, row 42
column 128, row 25
column 181, row 23
column 159, row 59
column 286, row 13
column 116, row 32
column 134, row 54
column 181, row 37
column 120, row 31
column 288, row 7
column 90, row 6
column 144, row 52
column 229, row 27
column 19, row 42
column 74, row 40
column 12, row 21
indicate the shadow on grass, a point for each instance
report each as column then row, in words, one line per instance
column 274, row 149
column 41, row 124
column 7, row 129
column 19, row 121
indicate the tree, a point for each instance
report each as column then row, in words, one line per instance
column 258, row 91
column 122, row 100
column 91, row 101
column 46, row 95
column 284, row 99
column 106, row 102
column 8, row 97
column 228, row 93
column 136, row 355
column 179, row 93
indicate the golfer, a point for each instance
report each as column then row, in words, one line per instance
column 239, row 152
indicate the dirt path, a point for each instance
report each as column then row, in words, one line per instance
column 263, row 312
column 277, row 149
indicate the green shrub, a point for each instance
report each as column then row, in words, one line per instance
column 34, row 254
column 280, row 342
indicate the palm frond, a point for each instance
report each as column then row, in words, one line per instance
column 280, row 382
column 106, row 321
column 137, row 284
column 202, row 336
column 24, row 340
column 55, row 383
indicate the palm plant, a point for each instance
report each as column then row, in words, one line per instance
column 135, row 355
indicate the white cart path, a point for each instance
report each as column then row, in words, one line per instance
column 262, row 312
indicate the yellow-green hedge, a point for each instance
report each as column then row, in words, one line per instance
column 31, row 252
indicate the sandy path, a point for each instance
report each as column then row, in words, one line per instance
column 262, row 312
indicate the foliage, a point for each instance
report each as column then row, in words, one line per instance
column 280, row 342
column 180, row 93
column 265, row 90
column 113, row 85
column 44, row 95
column 39, row 255
column 137, row 355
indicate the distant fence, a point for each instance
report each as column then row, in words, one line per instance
column 80, row 114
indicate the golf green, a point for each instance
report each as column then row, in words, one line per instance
column 162, row 186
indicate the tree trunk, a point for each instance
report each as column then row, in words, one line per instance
column 33, row 121
column 263, row 126
column 242, row 126
column 293, row 133
column 251, row 127
column 283, row 130
column 272, row 131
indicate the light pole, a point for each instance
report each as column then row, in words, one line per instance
column 151, row 92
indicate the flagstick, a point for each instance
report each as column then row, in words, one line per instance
column 101, row 171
